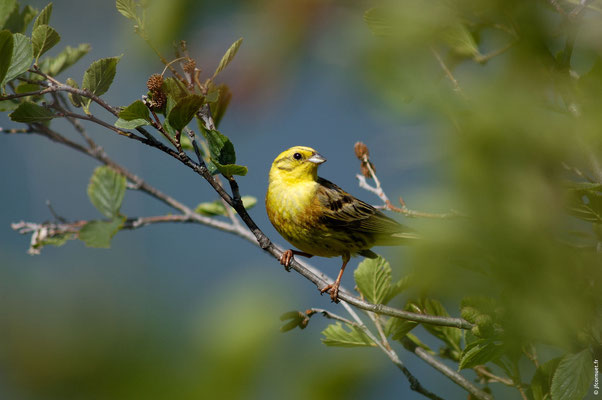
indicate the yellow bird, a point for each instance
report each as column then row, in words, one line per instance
column 321, row 219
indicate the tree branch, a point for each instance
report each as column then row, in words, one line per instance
column 363, row 154
column 445, row 370
column 319, row 279
column 415, row 385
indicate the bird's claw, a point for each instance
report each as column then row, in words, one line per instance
column 334, row 292
column 285, row 259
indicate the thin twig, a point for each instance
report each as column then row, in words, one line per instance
column 54, row 213
column 532, row 355
column 448, row 73
column 557, row 6
column 415, row 384
column 579, row 8
column 63, row 105
column 259, row 237
column 159, row 126
column 491, row 377
column 19, row 95
column 578, row 172
column 484, row 58
column 447, row 371
column 363, row 154
column 377, row 190
column 328, row 314
column 15, row 130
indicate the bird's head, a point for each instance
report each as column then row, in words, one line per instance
column 298, row 163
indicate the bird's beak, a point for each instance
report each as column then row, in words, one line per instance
column 316, row 159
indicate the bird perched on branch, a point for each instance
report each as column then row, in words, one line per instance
column 321, row 219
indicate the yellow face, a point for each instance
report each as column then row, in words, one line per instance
column 297, row 163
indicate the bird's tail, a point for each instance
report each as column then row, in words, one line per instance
column 397, row 238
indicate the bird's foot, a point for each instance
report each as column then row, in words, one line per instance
column 286, row 258
column 334, row 291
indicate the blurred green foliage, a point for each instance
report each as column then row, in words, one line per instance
column 71, row 345
column 522, row 133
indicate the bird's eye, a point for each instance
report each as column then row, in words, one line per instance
column 297, row 156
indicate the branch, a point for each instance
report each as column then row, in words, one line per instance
column 447, row 371
column 579, row 8
column 259, row 238
column 414, row 383
column 367, row 168
column 448, row 73
column 484, row 58
column 482, row 370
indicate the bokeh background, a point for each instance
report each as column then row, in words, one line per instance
column 186, row 312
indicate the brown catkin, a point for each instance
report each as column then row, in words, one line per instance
column 189, row 66
column 158, row 99
column 155, row 82
column 361, row 150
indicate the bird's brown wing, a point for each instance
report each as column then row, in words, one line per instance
column 346, row 213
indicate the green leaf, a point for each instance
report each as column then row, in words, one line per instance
column 106, row 191
column 337, row 335
column 56, row 240
column 44, row 16
column 173, row 88
column 219, row 105
column 123, row 124
column 231, row 169
column 6, row 52
column 297, row 319
column 573, row 376
column 373, row 279
column 398, row 287
column 228, row 57
column 470, row 313
column 414, row 339
column 211, row 209
column 31, row 112
column 25, row 87
column 8, row 105
column 43, row 38
column 66, row 58
column 75, row 99
column 542, row 379
column 99, row 76
column 186, row 143
column 99, row 233
column 584, row 201
column 249, row 201
column 451, row 336
column 479, row 352
column 399, row 328
column 133, row 116
column 222, row 153
column 127, row 8
column 17, row 21
column 377, row 21
column 184, row 110
column 584, row 186
column 6, row 8
column 216, row 207
column 461, row 41
column 21, row 58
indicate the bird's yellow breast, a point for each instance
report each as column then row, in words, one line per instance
column 291, row 209
column 289, row 204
